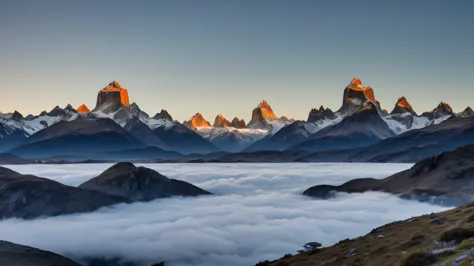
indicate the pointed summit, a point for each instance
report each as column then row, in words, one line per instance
column 443, row 109
column 69, row 108
column 238, row 123
column 83, row 109
column 261, row 114
column 402, row 106
column 112, row 98
column 356, row 81
column 355, row 94
column 221, row 121
column 197, row 121
column 17, row 116
column 467, row 112
column 163, row 114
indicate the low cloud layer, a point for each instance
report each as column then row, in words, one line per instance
column 257, row 214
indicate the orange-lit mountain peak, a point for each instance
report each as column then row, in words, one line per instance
column 196, row 121
column 402, row 102
column 355, row 90
column 221, row 121
column 113, row 93
column 83, row 109
column 266, row 110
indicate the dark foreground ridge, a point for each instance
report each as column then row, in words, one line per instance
column 446, row 179
column 18, row 255
column 28, row 196
column 445, row 238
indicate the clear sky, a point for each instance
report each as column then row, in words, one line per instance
column 226, row 56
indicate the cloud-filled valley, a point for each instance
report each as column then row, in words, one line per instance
column 257, row 213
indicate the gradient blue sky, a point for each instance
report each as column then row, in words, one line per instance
column 226, row 56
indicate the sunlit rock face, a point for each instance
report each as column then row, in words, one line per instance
column 402, row 106
column 221, row 121
column 112, row 98
column 262, row 113
column 316, row 115
column 197, row 121
column 163, row 115
column 83, row 109
column 238, row 123
column 355, row 94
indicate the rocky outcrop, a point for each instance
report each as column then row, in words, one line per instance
column 442, row 110
column 221, row 121
column 197, row 121
column 402, row 106
column 136, row 111
column 65, row 113
column 83, row 109
column 468, row 112
column 320, row 114
column 355, row 94
column 112, row 98
column 238, row 123
column 261, row 114
column 163, row 114
column 18, row 255
column 446, row 178
column 17, row 116
column 140, row 184
column 28, row 197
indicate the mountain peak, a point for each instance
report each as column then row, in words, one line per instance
column 111, row 98
column 221, row 121
column 70, row 108
column 402, row 106
column 83, row 109
column 442, row 106
column 467, row 112
column 115, row 84
column 163, row 114
column 356, row 81
column 355, row 94
column 196, row 121
column 261, row 114
column 238, row 123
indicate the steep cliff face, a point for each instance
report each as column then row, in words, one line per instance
column 402, row 106
column 221, row 121
column 261, row 114
column 163, row 115
column 83, row 109
column 112, row 98
column 355, row 94
column 238, row 123
column 197, row 121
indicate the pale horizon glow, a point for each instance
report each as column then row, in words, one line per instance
column 217, row 57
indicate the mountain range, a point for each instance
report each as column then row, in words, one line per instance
column 360, row 130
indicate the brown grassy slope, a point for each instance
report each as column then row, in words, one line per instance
column 393, row 243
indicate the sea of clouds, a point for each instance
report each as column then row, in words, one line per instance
column 257, row 213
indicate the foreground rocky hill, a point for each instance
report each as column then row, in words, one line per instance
column 28, row 196
column 17, row 255
column 447, row 179
column 445, row 238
